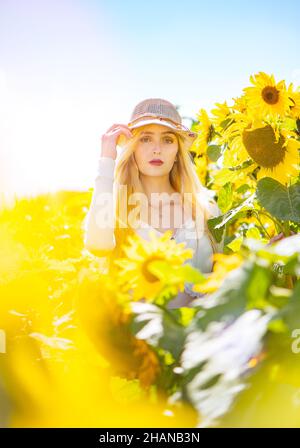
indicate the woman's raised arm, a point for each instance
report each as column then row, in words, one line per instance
column 99, row 236
column 99, row 239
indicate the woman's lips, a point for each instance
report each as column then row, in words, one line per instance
column 156, row 162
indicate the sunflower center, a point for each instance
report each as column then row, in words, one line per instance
column 145, row 269
column 262, row 147
column 270, row 95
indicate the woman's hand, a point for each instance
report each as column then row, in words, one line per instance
column 109, row 139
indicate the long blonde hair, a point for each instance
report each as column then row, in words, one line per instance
column 183, row 178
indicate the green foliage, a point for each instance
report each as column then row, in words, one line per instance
column 281, row 201
column 230, row 328
column 218, row 355
column 225, row 197
column 214, row 152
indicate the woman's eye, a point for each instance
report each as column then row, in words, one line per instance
column 168, row 139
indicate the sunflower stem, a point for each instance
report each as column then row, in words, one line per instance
column 166, row 311
column 279, row 226
column 262, row 226
column 289, row 281
column 286, row 228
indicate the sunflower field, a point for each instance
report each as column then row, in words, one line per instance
column 78, row 348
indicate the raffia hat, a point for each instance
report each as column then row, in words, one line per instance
column 159, row 111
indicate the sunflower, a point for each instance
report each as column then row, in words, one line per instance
column 236, row 153
column 277, row 157
column 220, row 116
column 266, row 97
column 106, row 322
column 272, row 148
column 135, row 268
column 240, row 104
column 222, row 265
column 201, row 163
column 295, row 98
column 236, row 177
column 149, row 366
column 205, row 129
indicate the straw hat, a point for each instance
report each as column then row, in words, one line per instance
column 159, row 111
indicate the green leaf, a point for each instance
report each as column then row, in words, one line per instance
column 214, row 152
column 216, row 232
column 226, row 123
column 245, row 206
column 257, row 291
column 290, row 123
column 291, row 312
column 235, row 244
column 230, row 298
column 277, row 326
column 253, row 232
column 174, row 274
column 217, row 225
column 160, row 328
column 281, row 201
column 186, row 315
column 225, row 198
column 243, row 188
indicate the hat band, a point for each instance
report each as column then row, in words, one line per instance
column 152, row 115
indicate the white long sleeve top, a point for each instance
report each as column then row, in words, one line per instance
column 103, row 239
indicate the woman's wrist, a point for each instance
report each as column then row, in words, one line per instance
column 106, row 167
column 106, row 152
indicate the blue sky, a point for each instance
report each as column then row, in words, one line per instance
column 70, row 69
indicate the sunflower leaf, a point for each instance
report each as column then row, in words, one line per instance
column 174, row 274
column 281, row 201
column 214, row 152
column 291, row 313
column 225, row 197
column 158, row 327
column 217, row 224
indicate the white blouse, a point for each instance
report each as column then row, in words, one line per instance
column 97, row 238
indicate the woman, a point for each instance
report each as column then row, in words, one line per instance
column 156, row 169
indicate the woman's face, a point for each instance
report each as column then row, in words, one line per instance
column 156, row 142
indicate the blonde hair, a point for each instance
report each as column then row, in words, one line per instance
column 183, row 178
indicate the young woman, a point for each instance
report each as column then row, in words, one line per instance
column 155, row 170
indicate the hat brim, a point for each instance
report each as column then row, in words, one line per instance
column 187, row 135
